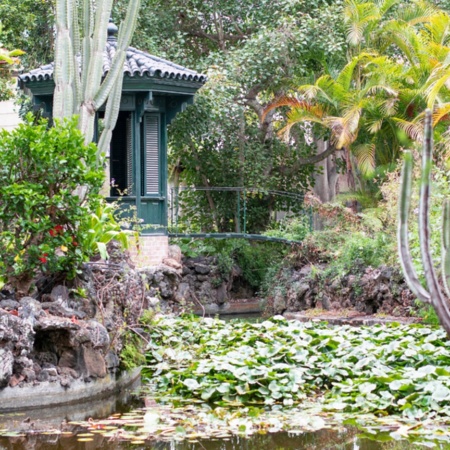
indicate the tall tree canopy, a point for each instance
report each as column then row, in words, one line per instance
column 252, row 51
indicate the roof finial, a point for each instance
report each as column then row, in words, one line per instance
column 112, row 31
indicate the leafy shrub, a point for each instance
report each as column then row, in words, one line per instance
column 359, row 250
column 292, row 228
column 255, row 259
column 49, row 184
column 100, row 227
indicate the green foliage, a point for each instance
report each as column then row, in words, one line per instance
column 100, row 227
column 252, row 54
column 9, row 62
column 427, row 312
column 132, row 354
column 359, row 250
column 42, row 216
column 199, row 32
column 25, row 25
column 291, row 228
column 255, row 259
column 381, row 369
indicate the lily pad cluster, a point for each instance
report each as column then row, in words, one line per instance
column 385, row 369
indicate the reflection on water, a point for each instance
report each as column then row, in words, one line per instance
column 95, row 408
column 321, row 440
column 243, row 317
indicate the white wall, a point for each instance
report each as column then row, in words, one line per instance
column 9, row 118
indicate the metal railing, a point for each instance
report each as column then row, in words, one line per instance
column 283, row 203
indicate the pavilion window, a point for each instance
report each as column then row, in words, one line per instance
column 151, row 175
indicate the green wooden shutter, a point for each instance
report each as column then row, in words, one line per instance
column 130, row 166
column 152, row 184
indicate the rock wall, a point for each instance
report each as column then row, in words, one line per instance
column 372, row 291
column 207, row 287
column 76, row 332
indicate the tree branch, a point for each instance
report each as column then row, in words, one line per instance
column 317, row 158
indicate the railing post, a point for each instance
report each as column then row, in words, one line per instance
column 171, row 206
column 238, row 215
column 176, row 207
column 244, row 191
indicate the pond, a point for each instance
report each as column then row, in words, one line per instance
column 63, row 428
column 74, row 437
column 186, row 405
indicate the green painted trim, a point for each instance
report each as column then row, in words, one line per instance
column 163, row 167
column 136, row 136
column 44, row 87
column 135, row 84
column 160, row 85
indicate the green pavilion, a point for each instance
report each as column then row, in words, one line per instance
column 154, row 91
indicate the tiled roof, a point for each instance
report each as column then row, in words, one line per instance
column 137, row 63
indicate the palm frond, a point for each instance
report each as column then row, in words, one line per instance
column 374, row 126
column 385, row 5
column 358, row 16
column 405, row 37
column 417, row 12
column 413, row 129
column 438, row 79
column 439, row 28
column 441, row 113
column 346, row 74
column 284, row 100
column 344, row 129
column 306, row 111
column 365, row 158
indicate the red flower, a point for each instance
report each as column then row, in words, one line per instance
column 43, row 258
column 58, row 229
column 74, row 242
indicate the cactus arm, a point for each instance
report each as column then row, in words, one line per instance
column 424, row 208
column 64, row 69
column 446, row 247
column 76, row 63
column 94, row 69
column 87, row 21
column 438, row 300
column 126, row 32
column 111, row 114
column 402, row 233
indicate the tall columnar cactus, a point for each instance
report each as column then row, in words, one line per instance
column 432, row 293
column 81, row 34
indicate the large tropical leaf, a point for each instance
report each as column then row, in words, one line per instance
column 385, row 5
column 296, row 104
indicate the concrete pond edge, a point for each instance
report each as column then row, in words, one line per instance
column 53, row 394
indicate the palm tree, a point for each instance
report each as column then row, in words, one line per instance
column 372, row 106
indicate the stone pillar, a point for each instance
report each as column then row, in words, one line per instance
column 149, row 251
